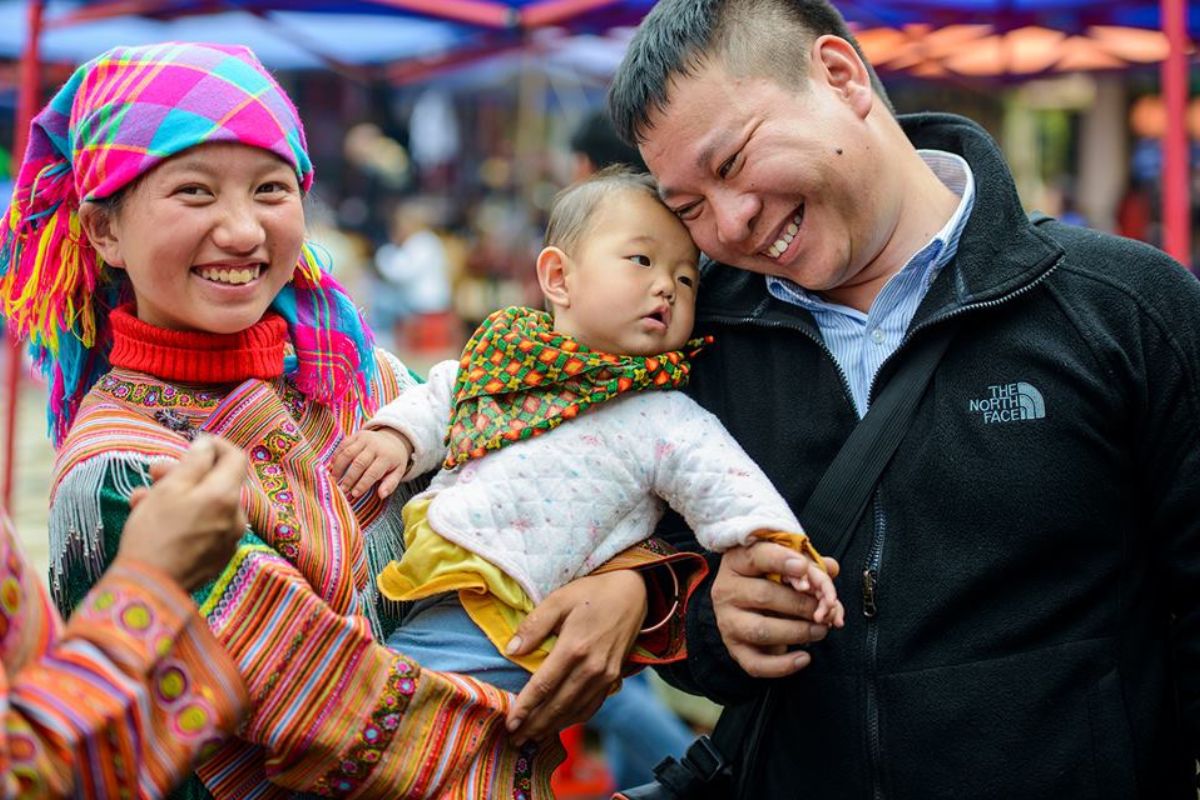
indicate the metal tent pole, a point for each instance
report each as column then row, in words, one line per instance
column 27, row 103
column 1176, row 169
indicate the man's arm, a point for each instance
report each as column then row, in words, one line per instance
column 1167, row 453
column 740, row 625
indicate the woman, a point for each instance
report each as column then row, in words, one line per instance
column 123, row 700
column 157, row 257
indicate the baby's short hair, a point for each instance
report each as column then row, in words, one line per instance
column 575, row 205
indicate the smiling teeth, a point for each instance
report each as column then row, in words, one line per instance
column 789, row 233
column 232, row 276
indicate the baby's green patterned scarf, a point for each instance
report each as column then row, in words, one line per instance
column 519, row 378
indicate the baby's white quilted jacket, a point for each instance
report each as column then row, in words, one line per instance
column 556, row 506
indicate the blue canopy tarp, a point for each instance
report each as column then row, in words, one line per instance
column 281, row 39
column 1069, row 16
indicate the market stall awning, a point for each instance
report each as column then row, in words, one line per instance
column 984, row 51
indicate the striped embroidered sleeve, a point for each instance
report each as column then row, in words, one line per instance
column 337, row 714
column 123, row 702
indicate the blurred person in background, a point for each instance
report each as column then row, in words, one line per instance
column 595, row 145
column 413, row 293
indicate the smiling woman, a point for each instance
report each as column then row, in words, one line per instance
column 193, row 304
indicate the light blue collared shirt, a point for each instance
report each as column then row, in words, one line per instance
column 860, row 342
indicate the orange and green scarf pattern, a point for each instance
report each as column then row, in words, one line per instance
column 519, row 378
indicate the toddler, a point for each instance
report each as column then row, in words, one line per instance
column 561, row 440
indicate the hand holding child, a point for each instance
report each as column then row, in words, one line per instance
column 371, row 456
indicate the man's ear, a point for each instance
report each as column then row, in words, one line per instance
column 97, row 223
column 552, row 267
column 835, row 62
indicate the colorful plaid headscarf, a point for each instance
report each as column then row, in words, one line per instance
column 118, row 117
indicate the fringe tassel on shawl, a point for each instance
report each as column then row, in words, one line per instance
column 52, row 288
column 77, row 522
column 383, row 542
column 383, row 539
column 335, row 350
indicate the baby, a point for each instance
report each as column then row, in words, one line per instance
column 560, row 438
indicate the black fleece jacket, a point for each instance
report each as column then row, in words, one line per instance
column 1035, row 541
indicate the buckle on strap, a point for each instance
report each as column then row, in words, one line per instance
column 700, row 765
column 704, row 759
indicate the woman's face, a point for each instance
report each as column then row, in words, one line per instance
column 208, row 237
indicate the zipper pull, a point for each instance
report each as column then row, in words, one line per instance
column 870, row 586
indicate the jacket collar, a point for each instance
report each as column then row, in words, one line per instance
column 1000, row 253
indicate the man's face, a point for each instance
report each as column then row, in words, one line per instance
column 773, row 179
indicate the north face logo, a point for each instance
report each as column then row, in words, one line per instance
column 1010, row 402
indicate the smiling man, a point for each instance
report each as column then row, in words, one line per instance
column 1023, row 599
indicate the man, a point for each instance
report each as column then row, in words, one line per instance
column 1023, row 595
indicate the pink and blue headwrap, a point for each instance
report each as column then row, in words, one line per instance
column 118, row 117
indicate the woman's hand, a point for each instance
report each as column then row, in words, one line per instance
column 597, row 619
column 189, row 523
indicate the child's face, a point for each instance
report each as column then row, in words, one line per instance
column 209, row 237
column 631, row 280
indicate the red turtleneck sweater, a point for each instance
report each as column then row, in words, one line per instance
column 196, row 357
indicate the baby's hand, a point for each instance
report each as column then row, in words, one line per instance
column 816, row 582
column 369, row 456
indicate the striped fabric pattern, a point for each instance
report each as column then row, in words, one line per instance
column 334, row 711
column 117, row 704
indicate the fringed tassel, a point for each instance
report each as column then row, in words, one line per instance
column 76, row 519
column 49, row 280
column 334, row 347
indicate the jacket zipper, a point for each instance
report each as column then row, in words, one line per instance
column 870, row 612
column 871, row 570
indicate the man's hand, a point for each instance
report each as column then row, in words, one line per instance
column 189, row 523
column 597, row 619
column 369, row 456
column 760, row 619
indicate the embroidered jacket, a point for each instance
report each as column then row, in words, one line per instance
column 334, row 712
column 121, row 701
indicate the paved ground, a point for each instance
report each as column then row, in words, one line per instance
column 34, row 463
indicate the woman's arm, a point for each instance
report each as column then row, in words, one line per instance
column 634, row 603
column 125, row 699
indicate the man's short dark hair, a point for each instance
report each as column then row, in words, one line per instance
column 574, row 207
column 750, row 37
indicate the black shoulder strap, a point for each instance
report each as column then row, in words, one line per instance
column 835, row 506
column 832, row 512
